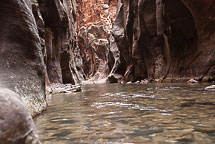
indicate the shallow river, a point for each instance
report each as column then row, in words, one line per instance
column 127, row 114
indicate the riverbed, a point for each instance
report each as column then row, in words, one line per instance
column 130, row 114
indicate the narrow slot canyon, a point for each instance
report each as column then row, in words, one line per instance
column 107, row 71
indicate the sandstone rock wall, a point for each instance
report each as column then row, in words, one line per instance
column 165, row 40
column 16, row 125
column 153, row 39
column 203, row 13
column 57, row 26
column 96, row 11
column 38, row 45
column 95, row 18
column 21, row 63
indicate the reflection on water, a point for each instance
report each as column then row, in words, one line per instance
column 115, row 114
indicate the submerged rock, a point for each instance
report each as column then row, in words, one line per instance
column 62, row 88
column 137, row 82
column 205, row 129
column 192, row 81
column 212, row 87
column 112, row 79
column 16, row 124
column 145, row 81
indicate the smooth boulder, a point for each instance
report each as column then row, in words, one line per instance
column 16, row 124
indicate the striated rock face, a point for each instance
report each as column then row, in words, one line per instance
column 95, row 50
column 203, row 12
column 16, row 124
column 38, row 44
column 165, row 40
column 56, row 22
column 95, row 20
column 96, row 11
column 153, row 39
column 21, row 64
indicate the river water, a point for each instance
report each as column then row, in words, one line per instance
column 130, row 114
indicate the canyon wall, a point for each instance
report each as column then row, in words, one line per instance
column 57, row 26
column 165, row 40
column 95, row 20
column 38, row 46
column 21, row 63
column 158, row 40
column 203, row 13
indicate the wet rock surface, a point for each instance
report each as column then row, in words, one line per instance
column 21, row 63
column 16, row 124
column 192, row 81
column 212, row 87
column 62, row 88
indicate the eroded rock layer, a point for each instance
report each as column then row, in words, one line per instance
column 57, row 26
column 165, row 40
column 95, row 20
column 38, row 45
column 21, row 63
column 96, row 11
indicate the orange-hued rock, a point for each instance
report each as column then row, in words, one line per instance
column 96, row 11
column 155, row 40
column 95, row 19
